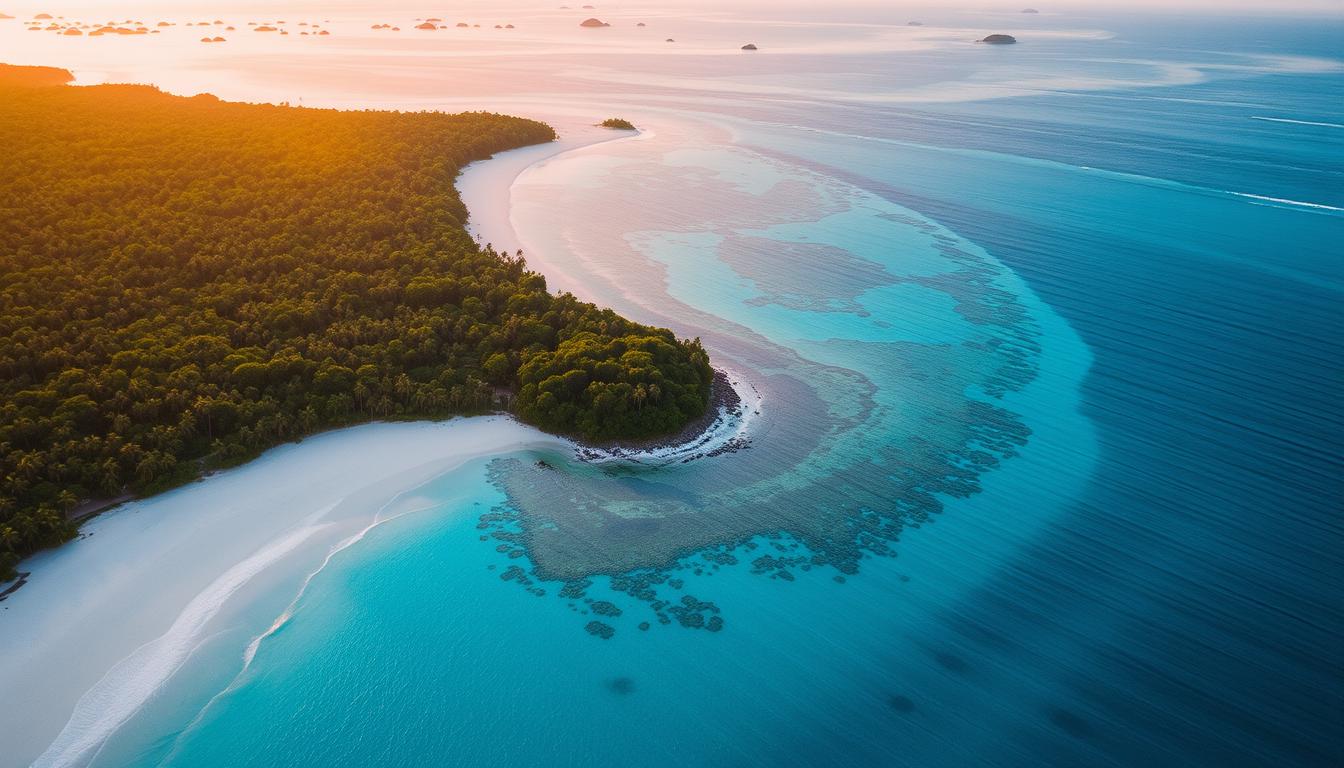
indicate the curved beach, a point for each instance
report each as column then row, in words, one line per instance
column 486, row 189
column 102, row 624
column 106, row 620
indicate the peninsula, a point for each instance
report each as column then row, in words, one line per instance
column 188, row 282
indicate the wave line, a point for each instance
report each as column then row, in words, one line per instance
column 1296, row 122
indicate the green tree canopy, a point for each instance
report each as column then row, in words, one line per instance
column 185, row 282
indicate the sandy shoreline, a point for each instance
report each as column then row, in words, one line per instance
column 484, row 185
column 486, row 189
column 104, row 622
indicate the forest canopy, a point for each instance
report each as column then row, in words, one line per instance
column 185, row 282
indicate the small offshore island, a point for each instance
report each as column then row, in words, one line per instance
column 189, row 282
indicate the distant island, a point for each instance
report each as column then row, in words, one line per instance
column 998, row 40
column 618, row 124
column 187, row 282
column 593, row 23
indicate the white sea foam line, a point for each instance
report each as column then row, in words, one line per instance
column 1282, row 201
column 250, row 653
column 1296, row 122
column 133, row 680
column 721, row 432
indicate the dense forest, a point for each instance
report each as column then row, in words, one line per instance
column 185, row 282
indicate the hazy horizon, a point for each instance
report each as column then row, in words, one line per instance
column 1256, row 7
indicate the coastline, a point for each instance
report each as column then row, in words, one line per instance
column 487, row 183
column 486, row 189
column 723, row 428
column 484, row 186
column 154, row 578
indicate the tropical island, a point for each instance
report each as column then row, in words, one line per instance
column 187, row 282
column 617, row 123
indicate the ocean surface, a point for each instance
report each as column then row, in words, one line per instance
column 1049, row 464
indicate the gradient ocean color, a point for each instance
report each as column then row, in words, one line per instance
column 1049, row 463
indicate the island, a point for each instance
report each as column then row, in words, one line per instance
column 593, row 23
column 749, row 47
column 188, row 282
column 998, row 40
column 617, row 123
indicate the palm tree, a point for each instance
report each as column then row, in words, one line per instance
column 29, row 465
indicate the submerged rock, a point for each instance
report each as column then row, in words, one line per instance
column 598, row 629
column 605, row 608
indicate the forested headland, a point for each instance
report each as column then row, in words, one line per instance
column 185, row 282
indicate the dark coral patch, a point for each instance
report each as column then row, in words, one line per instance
column 598, row 629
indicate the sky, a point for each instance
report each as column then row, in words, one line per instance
column 24, row 8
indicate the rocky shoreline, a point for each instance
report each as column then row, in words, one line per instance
column 720, row 430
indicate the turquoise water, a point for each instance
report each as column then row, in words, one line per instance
column 1047, row 469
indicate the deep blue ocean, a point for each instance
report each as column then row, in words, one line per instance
column 1049, row 468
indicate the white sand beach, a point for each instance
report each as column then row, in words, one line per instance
column 484, row 186
column 106, row 620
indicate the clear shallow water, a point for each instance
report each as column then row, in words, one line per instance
column 1033, row 340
